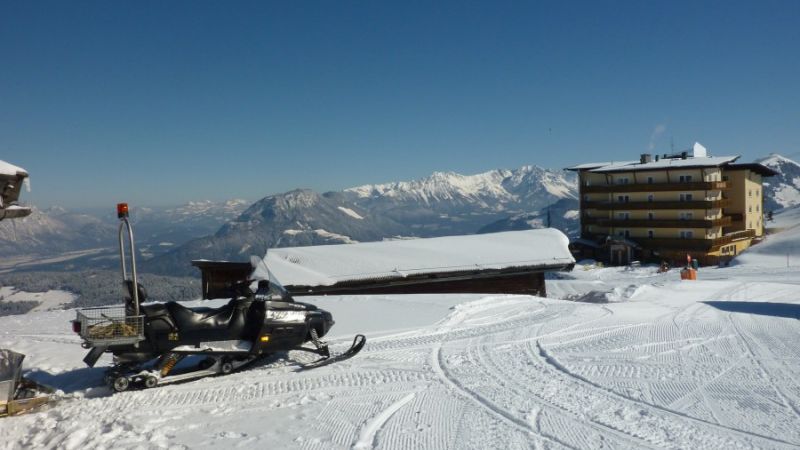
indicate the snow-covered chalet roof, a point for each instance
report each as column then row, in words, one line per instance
column 11, row 170
column 326, row 265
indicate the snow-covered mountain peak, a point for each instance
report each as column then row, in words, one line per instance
column 236, row 202
column 775, row 159
column 782, row 190
column 298, row 198
column 498, row 184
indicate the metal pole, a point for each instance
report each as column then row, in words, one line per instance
column 122, row 252
column 134, row 279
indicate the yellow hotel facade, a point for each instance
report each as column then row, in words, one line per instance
column 664, row 207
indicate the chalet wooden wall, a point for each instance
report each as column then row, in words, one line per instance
column 528, row 283
column 220, row 277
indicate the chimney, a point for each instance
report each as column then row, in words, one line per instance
column 684, row 155
column 656, row 158
column 645, row 158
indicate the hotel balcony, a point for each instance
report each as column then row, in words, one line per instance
column 694, row 204
column 656, row 223
column 655, row 187
column 695, row 244
column 677, row 244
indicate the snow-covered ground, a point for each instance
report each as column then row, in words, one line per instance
column 53, row 299
column 711, row 363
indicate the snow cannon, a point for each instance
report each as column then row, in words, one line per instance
column 18, row 394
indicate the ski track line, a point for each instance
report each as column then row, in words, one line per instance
column 680, row 403
column 602, row 333
column 483, row 403
column 522, row 387
column 683, row 417
column 745, row 337
column 450, row 333
column 199, row 393
column 701, row 390
column 370, row 429
column 525, row 426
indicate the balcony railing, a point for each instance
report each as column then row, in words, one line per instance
column 656, row 223
column 656, row 187
column 736, row 236
column 694, row 204
column 679, row 244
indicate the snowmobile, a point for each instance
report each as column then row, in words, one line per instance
column 17, row 393
column 148, row 341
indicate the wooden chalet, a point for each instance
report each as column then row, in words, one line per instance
column 11, row 180
column 512, row 262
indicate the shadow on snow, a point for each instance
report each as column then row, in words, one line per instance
column 789, row 310
column 91, row 382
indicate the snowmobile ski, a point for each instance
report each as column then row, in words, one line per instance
column 358, row 343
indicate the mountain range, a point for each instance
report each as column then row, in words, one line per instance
column 48, row 234
column 444, row 203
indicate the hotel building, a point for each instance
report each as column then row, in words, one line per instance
column 667, row 206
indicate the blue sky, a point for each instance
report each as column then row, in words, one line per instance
column 159, row 103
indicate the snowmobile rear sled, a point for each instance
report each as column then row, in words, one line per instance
column 150, row 341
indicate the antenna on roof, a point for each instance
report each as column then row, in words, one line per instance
column 672, row 144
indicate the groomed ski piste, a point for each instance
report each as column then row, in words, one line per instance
column 614, row 358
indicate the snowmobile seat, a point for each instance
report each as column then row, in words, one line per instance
column 225, row 322
column 159, row 320
column 154, row 310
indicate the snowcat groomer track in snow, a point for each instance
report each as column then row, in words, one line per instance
column 148, row 341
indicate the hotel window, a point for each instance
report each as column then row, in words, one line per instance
column 651, row 216
column 749, row 193
column 623, row 198
column 685, row 178
column 623, row 215
column 686, row 234
column 685, row 215
column 686, row 197
column 750, row 208
column 624, row 233
column 650, row 234
column 650, row 197
column 650, row 180
column 622, row 180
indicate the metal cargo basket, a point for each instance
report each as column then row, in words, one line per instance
column 109, row 325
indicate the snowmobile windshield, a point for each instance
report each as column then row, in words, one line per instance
column 275, row 292
column 269, row 287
